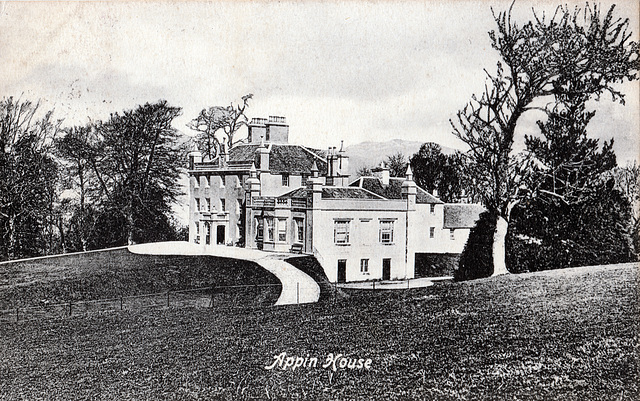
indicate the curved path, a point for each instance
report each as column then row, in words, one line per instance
column 297, row 286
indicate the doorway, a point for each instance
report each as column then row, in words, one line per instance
column 342, row 270
column 386, row 269
column 220, row 235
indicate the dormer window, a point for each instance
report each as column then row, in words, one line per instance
column 285, row 180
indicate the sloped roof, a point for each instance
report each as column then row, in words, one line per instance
column 461, row 215
column 393, row 190
column 283, row 158
column 334, row 193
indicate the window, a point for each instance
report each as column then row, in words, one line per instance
column 299, row 229
column 270, row 229
column 433, row 208
column 341, row 232
column 304, row 179
column 208, row 204
column 198, row 204
column 282, row 230
column 222, row 179
column 452, row 235
column 285, row 180
column 259, row 229
column 386, row 232
column 223, row 205
column 364, row 266
column 432, row 232
column 197, row 236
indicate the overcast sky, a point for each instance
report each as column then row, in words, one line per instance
column 353, row 70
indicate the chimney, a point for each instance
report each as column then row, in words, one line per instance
column 264, row 157
column 382, row 173
column 194, row 158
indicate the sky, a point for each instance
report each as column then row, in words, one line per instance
column 352, row 70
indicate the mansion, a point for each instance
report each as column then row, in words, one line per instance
column 271, row 195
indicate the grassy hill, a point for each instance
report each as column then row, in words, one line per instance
column 116, row 273
column 557, row 335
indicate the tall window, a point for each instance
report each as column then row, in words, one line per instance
column 208, row 204
column 432, row 232
column 222, row 179
column 452, row 235
column 285, row 180
column 269, row 229
column 386, row 232
column 282, row 230
column 364, row 266
column 299, row 223
column 341, row 231
column 433, row 208
column 223, row 204
column 198, row 204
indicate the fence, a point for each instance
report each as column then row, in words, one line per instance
column 215, row 297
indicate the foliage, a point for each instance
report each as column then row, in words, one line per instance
column 364, row 171
column 397, row 164
column 28, row 177
column 136, row 161
column 550, row 234
column 217, row 125
column 434, row 170
column 571, row 57
column 476, row 260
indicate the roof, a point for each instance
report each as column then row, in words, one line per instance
column 461, row 215
column 334, row 193
column 283, row 158
column 393, row 190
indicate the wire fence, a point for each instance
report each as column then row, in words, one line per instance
column 214, row 297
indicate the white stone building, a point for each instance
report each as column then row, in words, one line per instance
column 271, row 195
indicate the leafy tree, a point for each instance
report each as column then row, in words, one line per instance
column 397, row 164
column 28, row 177
column 74, row 147
column 581, row 52
column 434, row 170
column 137, row 161
column 364, row 171
column 218, row 124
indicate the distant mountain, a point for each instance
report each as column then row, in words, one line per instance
column 370, row 154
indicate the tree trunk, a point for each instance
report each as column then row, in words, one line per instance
column 11, row 251
column 499, row 249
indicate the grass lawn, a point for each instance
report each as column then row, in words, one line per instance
column 556, row 335
column 116, row 273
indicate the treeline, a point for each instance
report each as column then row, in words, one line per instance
column 108, row 183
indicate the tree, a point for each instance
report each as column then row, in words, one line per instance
column 74, row 147
column 578, row 52
column 218, row 124
column 137, row 161
column 397, row 164
column 433, row 170
column 364, row 171
column 28, row 177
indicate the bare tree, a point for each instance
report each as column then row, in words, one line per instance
column 28, row 176
column 217, row 125
column 539, row 60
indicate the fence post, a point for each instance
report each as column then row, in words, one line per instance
column 70, row 308
column 374, row 285
column 407, row 283
column 298, row 292
column 168, row 299
column 121, row 303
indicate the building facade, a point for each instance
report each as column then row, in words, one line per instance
column 268, row 194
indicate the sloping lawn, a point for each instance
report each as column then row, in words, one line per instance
column 557, row 335
column 116, row 273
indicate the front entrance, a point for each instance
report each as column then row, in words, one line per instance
column 220, row 235
column 386, row 269
column 342, row 270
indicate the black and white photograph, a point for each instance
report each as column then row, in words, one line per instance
column 309, row 200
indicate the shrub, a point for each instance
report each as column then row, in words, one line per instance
column 476, row 260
